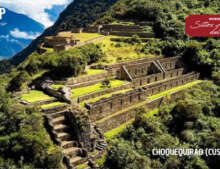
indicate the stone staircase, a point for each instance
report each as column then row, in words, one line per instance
column 62, row 135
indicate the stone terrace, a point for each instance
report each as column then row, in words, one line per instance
column 145, row 77
column 109, row 107
column 117, row 30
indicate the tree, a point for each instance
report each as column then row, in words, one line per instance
column 122, row 156
column 24, row 141
column 184, row 112
column 19, row 81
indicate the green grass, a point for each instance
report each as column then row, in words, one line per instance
column 176, row 89
column 50, row 105
column 35, row 96
column 83, row 37
column 116, row 54
column 101, row 160
column 122, row 23
column 92, row 72
column 49, row 50
column 103, row 96
column 152, row 113
column 55, row 86
column 95, row 88
column 82, row 166
column 39, row 74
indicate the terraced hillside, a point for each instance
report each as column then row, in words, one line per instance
column 105, row 100
column 110, row 69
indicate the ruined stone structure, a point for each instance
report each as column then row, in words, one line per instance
column 79, row 130
column 118, row 30
column 72, row 130
column 60, row 42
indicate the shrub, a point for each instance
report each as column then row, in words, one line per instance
column 19, row 81
column 173, row 48
column 65, row 63
column 216, row 77
column 106, row 83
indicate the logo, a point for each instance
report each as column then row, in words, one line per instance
column 2, row 12
column 203, row 25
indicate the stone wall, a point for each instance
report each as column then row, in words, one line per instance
column 126, row 30
column 147, row 79
column 173, row 73
column 143, row 60
column 157, row 77
column 169, row 84
column 170, row 63
column 140, row 34
column 77, row 30
column 90, row 29
column 88, row 83
column 130, row 30
column 125, row 116
column 121, row 39
column 142, row 69
column 107, row 106
column 101, row 93
column 146, row 66
column 83, row 79
column 55, row 109
column 121, row 27
column 40, row 103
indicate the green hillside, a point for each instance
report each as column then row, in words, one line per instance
column 190, row 122
column 79, row 13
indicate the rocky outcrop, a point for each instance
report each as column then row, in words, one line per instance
column 63, row 93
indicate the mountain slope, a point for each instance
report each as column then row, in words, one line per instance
column 16, row 32
column 79, row 13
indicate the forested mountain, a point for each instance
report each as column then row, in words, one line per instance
column 79, row 13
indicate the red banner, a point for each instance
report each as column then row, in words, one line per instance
column 203, row 25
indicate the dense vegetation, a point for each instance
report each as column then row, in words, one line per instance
column 24, row 142
column 65, row 63
column 191, row 122
column 60, row 65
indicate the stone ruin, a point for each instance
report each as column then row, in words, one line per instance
column 63, row 93
column 79, row 130
column 60, row 42
column 117, row 29
column 65, row 41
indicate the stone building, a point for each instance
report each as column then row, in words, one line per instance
column 60, row 42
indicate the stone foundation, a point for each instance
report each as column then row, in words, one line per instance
column 126, row 116
column 108, row 106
